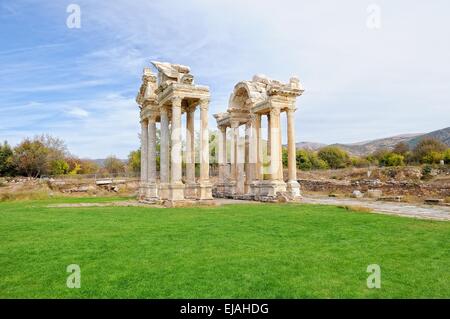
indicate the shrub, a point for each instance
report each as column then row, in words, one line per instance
column 432, row 157
column 303, row 160
column 426, row 172
column 334, row 156
column 426, row 150
column 59, row 167
column 446, row 156
column 392, row 159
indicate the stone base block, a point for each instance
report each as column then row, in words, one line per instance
column 176, row 191
column 205, row 191
column 164, row 191
column 293, row 189
column 191, row 191
column 270, row 189
column 151, row 192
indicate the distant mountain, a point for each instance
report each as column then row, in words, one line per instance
column 442, row 135
column 311, row 146
column 367, row 147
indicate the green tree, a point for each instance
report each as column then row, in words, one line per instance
column 392, row 159
column 113, row 165
column 59, row 167
column 303, row 160
column 7, row 167
column 426, row 150
column 447, row 156
column 334, row 156
column 134, row 161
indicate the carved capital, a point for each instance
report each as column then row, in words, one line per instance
column 234, row 123
column 223, row 129
column 176, row 101
column 204, row 104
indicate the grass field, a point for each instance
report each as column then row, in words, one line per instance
column 237, row 251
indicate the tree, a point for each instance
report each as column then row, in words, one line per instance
column 7, row 167
column 447, row 156
column 432, row 157
column 59, row 167
column 401, row 148
column 334, row 156
column 425, row 151
column 134, row 161
column 88, row 167
column 113, row 165
column 392, row 159
column 30, row 158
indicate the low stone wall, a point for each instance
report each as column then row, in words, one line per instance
column 388, row 188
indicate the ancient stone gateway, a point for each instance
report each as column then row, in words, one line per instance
column 253, row 174
column 164, row 99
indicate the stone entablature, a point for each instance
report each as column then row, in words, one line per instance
column 248, row 176
column 164, row 99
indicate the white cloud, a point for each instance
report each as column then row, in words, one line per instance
column 77, row 112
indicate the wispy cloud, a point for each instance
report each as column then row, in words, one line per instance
column 360, row 83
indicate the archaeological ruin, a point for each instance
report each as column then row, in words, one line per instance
column 250, row 166
column 164, row 99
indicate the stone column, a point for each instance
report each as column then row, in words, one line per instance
column 144, row 157
column 274, row 144
column 293, row 187
column 248, row 165
column 191, row 189
column 222, row 153
column 205, row 185
column 164, row 154
column 190, row 148
column 259, row 148
column 152, row 190
column 176, row 185
column 234, row 149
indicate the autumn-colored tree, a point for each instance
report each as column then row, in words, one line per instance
column 113, row 165
column 30, row 157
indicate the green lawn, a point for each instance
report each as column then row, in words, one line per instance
column 238, row 251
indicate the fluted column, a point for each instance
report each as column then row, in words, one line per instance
column 205, row 186
column 274, row 144
column 144, row 157
column 152, row 192
column 222, row 153
column 259, row 148
column 248, row 165
column 292, row 186
column 164, row 154
column 176, row 184
column 190, row 148
column 234, row 149
column 151, row 150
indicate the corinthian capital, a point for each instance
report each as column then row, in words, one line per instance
column 204, row 104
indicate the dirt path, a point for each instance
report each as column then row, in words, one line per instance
column 390, row 208
column 400, row 209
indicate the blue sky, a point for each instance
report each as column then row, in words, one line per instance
column 360, row 83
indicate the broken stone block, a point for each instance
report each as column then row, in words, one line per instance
column 374, row 193
column 357, row 194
